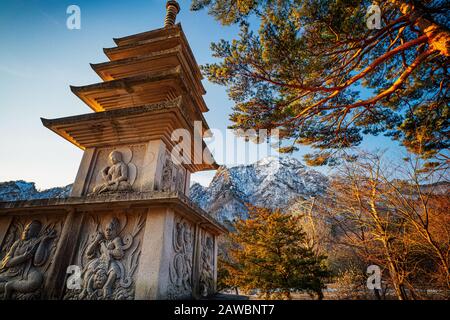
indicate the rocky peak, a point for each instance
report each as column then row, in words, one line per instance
column 22, row 190
column 271, row 182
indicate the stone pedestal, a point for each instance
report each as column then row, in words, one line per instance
column 136, row 246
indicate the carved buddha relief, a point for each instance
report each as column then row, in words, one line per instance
column 119, row 175
column 26, row 252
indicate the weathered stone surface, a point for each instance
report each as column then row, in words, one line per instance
column 142, row 167
column 130, row 246
column 108, row 256
column 26, row 253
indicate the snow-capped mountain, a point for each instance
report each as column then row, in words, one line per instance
column 22, row 190
column 271, row 182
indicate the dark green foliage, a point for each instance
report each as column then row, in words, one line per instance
column 303, row 68
column 270, row 255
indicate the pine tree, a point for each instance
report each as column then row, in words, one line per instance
column 301, row 71
column 271, row 256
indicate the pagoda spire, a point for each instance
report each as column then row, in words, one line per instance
column 172, row 9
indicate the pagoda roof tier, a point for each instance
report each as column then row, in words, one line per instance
column 153, row 41
column 151, row 34
column 128, row 126
column 158, row 61
column 140, row 90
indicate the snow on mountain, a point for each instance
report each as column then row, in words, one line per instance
column 271, row 182
column 22, row 190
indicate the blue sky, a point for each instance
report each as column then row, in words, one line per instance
column 40, row 58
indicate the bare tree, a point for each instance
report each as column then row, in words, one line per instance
column 392, row 216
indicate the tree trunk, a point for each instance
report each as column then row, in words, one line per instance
column 396, row 282
column 438, row 36
column 393, row 272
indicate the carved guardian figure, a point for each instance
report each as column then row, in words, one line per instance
column 108, row 273
column 105, row 266
column 207, row 267
column 19, row 273
column 180, row 271
column 167, row 176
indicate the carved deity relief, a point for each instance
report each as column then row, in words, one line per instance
column 173, row 176
column 180, row 270
column 167, row 175
column 206, row 264
column 25, row 258
column 119, row 175
column 108, row 259
column 180, row 179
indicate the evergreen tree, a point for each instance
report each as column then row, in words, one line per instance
column 303, row 69
column 270, row 255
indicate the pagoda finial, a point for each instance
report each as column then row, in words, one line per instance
column 172, row 9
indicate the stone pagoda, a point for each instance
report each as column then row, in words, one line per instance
column 128, row 229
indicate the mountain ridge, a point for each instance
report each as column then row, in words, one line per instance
column 271, row 182
column 23, row 190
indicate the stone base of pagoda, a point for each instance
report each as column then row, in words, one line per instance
column 141, row 246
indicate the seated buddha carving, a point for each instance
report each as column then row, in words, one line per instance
column 115, row 177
